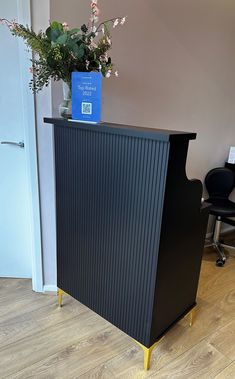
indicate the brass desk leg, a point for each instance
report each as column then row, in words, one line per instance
column 60, row 293
column 192, row 315
column 148, row 352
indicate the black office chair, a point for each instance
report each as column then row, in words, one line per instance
column 220, row 183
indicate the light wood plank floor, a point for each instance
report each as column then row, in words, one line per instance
column 40, row 340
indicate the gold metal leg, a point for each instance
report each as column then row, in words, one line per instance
column 148, row 352
column 60, row 293
column 192, row 314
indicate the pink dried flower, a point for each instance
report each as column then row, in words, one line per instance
column 13, row 26
column 108, row 74
column 108, row 40
column 65, row 26
column 93, row 44
column 94, row 8
column 116, row 22
column 94, row 19
column 94, row 12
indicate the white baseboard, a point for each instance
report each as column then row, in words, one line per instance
column 50, row 288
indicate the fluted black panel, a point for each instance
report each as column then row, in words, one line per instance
column 130, row 226
column 110, row 194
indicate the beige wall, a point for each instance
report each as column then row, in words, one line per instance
column 176, row 60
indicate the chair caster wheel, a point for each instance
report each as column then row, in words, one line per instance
column 220, row 262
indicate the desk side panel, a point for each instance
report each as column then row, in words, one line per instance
column 110, row 191
column 181, row 244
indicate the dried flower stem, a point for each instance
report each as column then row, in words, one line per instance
column 105, row 22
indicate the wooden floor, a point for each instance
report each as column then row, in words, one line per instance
column 39, row 340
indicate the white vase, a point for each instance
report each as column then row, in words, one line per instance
column 65, row 108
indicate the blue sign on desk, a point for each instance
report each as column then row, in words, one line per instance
column 86, row 96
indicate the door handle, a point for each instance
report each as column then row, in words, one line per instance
column 19, row 144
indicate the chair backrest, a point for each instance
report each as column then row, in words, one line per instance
column 220, row 182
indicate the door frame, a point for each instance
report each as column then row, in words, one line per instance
column 31, row 152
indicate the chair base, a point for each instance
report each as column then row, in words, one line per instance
column 217, row 245
column 220, row 250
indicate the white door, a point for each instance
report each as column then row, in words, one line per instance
column 15, row 222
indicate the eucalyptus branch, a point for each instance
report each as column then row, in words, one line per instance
column 26, row 33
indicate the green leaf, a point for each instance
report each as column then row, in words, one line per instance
column 56, row 25
column 76, row 38
column 106, row 27
column 62, row 39
column 74, row 31
column 51, row 61
column 53, row 34
column 80, row 52
column 75, row 48
column 72, row 45
column 54, row 31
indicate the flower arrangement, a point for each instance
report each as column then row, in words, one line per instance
column 59, row 50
